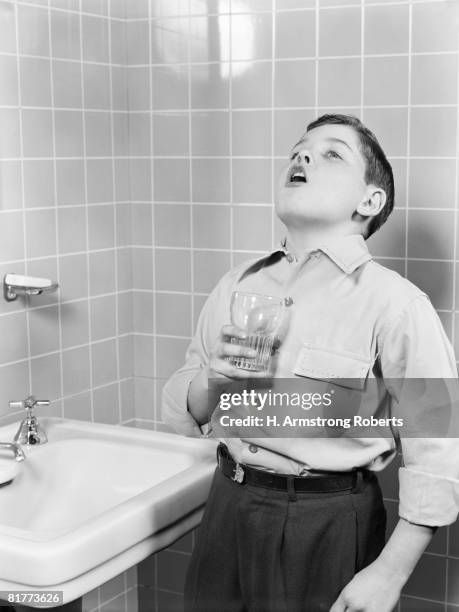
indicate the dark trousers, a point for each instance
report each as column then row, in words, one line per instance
column 261, row 550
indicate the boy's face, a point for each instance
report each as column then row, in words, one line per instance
column 323, row 183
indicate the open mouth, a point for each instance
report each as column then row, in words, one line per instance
column 296, row 175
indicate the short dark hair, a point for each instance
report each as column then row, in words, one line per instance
column 378, row 170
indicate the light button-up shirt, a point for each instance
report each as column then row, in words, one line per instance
column 351, row 317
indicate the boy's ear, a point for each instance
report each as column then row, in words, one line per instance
column 373, row 202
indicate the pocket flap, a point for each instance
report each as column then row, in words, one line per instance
column 325, row 364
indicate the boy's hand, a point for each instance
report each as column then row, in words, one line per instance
column 219, row 365
column 373, row 589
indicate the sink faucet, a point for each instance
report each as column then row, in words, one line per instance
column 30, row 431
column 17, row 450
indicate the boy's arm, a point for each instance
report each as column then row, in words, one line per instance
column 415, row 347
column 377, row 588
column 175, row 410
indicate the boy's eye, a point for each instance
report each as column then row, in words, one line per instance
column 293, row 155
column 332, row 154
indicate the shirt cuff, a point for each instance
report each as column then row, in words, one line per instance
column 175, row 413
column 428, row 499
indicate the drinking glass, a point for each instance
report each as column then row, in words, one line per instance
column 259, row 316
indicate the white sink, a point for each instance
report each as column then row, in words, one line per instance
column 95, row 500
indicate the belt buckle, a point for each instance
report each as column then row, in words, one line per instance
column 239, row 474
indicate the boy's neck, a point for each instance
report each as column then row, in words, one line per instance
column 301, row 240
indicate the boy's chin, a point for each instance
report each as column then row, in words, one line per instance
column 292, row 217
column 291, row 205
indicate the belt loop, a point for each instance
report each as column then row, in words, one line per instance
column 291, row 488
column 358, row 482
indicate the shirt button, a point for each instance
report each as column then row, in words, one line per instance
column 253, row 448
column 289, row 258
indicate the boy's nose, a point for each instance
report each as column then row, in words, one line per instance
column 303, row 157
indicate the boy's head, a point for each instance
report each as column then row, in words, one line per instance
column 338, row 177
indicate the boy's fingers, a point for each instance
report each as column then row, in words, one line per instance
column 231, row 371
column 236, row 350
column 230, row 331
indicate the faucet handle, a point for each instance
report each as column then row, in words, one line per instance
column 29, row 403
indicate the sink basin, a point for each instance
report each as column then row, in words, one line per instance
column 95, row 500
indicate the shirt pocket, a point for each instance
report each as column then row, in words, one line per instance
column 341, row 367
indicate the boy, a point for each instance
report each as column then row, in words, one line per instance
column 298, row 524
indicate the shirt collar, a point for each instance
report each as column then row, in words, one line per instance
column 347, row 252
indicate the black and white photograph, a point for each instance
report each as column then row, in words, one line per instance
column 229, row 257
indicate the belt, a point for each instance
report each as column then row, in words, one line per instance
column 243, row 474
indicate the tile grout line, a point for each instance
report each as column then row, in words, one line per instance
column 261, row 60
column 362, row 56
column 200, row 110
column 153, row 205
column 273, row 122
column 350, row 4
column 191, row 210
column 115, row 215
column 230, row 128
column 24, row 226
column 190, row 171
column 56, row 217
column 408, row 135
column 316, row 58
column 181, row 203
column 85, row 178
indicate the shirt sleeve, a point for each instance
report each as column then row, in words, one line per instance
column 214, row 315
column 416, row 347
